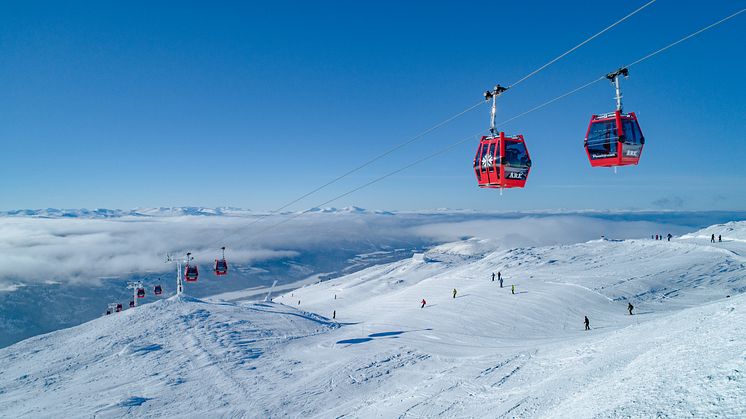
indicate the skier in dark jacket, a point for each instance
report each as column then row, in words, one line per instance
column 493, row 277
column 712, row 239
column 587, row 323
column 454, row 293
column 423, row 303
column 720, row 238
column 629, row 308
column 669, row 236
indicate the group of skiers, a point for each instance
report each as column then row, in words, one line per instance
column 455, row 291
column 586, row 322
column 669, row 237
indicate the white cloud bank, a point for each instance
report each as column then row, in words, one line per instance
column 36, row 250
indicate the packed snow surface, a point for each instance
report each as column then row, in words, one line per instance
column 485, row 353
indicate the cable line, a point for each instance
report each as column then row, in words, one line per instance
column 439, row 124
column 581, row 44
column 457, row 115
column 686, row 37
column 457, row 143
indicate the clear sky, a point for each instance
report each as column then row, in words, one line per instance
column 249, row 104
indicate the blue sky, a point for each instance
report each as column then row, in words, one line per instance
column 136, row 104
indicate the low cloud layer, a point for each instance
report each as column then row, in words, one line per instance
column 37, row 250
column 543, row 231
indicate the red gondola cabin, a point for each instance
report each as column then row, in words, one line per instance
column 119, row 307
column 191, row 273
column 141, row 293
column 614, row 139
column 502, row 162
column 221, row 267
column 157, row 290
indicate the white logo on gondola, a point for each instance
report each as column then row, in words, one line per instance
column 487, row 161
column 516, row 175
column 632, row 153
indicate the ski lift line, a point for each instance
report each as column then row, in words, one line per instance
column 547, row 103
column 654, row 53
column 450, row 119
column 358, row 168
column 503, row 122
column 559, row 57
column 376, row 180
column 442, row 123
column 384, row 154
column 435, row 154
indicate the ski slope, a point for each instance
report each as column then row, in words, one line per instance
column 485, row 353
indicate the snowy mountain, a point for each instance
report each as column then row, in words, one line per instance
column 168, row 212
column 485, row 353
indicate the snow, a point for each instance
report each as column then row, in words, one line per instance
column 485, row 353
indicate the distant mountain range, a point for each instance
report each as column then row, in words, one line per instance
column 167, row 212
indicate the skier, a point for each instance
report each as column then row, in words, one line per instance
column 493, row 277
column 335, row 296
column 454, row 293
column 423, row 303
column 669, row 236
column 656, row 237
column 500, row 279
column 720, row 238
column 298, row 302
column 712, row 239
column 512, row 289
column 334, row 314
column 629, row 308
column 587, row 323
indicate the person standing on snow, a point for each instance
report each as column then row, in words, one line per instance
column 493, row 277
column 587, row 323
column 454, row 293
column 629, row 308
column 423, row 303
column 512, row 289
column 669, row 236
column 499, row 278
column 720, row 238
column 712, row 239
column 334, row 314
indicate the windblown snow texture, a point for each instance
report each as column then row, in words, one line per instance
column 485, row 353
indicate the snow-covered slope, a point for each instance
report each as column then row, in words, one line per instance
column 485, row 353
column 731, row 231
